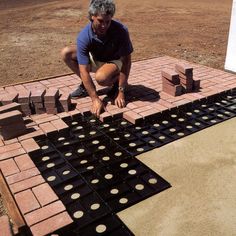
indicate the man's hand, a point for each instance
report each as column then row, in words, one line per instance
column 97, row 107
column 120, row 100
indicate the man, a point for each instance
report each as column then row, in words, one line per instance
column 103, row 47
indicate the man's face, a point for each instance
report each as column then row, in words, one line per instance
column 101, row 23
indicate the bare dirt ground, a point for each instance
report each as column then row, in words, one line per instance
column 34, row 31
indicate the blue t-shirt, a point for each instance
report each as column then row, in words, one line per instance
column 115, row 44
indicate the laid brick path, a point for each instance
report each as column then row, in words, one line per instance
column 40, row 207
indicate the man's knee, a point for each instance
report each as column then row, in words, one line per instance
column 102, row 78
column 68, row 53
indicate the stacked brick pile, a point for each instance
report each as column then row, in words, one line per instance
column 12, row 124
column 179, row 81
column 24, row 101
column 64, row 103
column 51, row 100
column 37, row 101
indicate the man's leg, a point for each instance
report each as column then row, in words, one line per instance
column 70, row 58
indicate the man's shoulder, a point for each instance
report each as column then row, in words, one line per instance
column 117, row 25
column 85, row 32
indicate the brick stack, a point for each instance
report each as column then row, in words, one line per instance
column 171, row 82
column 186, row 78
column 51, row 100
column 9, row 98
column 64, row 103
column 12, row 124
column 37, row 100
column 24, row 101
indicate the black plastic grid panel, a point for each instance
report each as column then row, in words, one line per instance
column 93, row 169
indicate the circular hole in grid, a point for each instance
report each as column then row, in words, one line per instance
column 181, row 119
column 203, row 105
column 106, row 125
column 173, row 115
column 45, row 158
column 68, row 187
column 220, row 115
column 132, row 144
column 123, row 200
column 114, row 191
column 132, row 172
column 139, row 187
column 94, row 181
column 92, row 121
column 137, row 127
column 116, row 139
column 90, row 167
column 102, row 147
column 112, row 129
column 189, row 113
column 75, row 196
column 66, row 172
column 61, row 139
column 140, row 149
column 213, row 121
column 74, row 123
column 172, row 130
column 162, row 137
column 118, row 154
column 81, row 136
column 226, row 112
column 189, row 126
column 152, row 141
column 51, row 178
column 123, row 165
column 83, row 162
column 66, row 143
column 127, row 135
column 79, row 127
column 211, row 109
column 205, row 117
column 78, row 214
column 156, row 125
column 50, row 165
column 95, row 142
column 180, row 134
column 108, row 176
column 197, row 123
column 152, row 180
column 165, row 122
column 106, row 158
column 196, row 111
column 123, row 123
column 145, row 132
column 44, row 147
column 81, row 150
column 68, row 154
column 101, row 229
column 92, row 132
column 95, row 206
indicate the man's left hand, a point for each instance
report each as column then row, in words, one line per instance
column 120, row 100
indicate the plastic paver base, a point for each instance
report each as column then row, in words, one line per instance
column 73, row 173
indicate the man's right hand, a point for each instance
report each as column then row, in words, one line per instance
column 97, row 107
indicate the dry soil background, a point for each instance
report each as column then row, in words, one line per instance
column 32, row 32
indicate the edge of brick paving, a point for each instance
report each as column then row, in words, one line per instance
column 19, row 225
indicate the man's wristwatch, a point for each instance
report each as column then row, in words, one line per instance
column 122, row 89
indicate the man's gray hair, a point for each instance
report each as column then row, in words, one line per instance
column 101, row 7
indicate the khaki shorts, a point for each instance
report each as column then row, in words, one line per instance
column 95, row 65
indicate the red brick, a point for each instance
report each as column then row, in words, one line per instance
column 43, row 198
column 30, row 145
column 9, row 147
column 59, row 124
column 47, row 127
column 47, row 119
column 22, row 175
column 24, row 162
column 27, row 184
column 184, row 68
column 105, row 116
column 12, row 153
column 5, row 226
column 10, row 117
column 132, row 117
column 33, row 134
column 51, row 95
column 9, row 98
column 13, row 130
column 172, row 90
column 24, row 96
column 26, row 201
column 148, row 113
column 37, row 95
column 171, row 76
column 51, row 224
column 44, row 213
column 8, row 167
column 10, row 107
column 10, row 141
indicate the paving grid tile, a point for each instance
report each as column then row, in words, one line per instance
column 173, row 118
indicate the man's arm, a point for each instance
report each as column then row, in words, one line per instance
column 97, row 104
column 123, row 80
